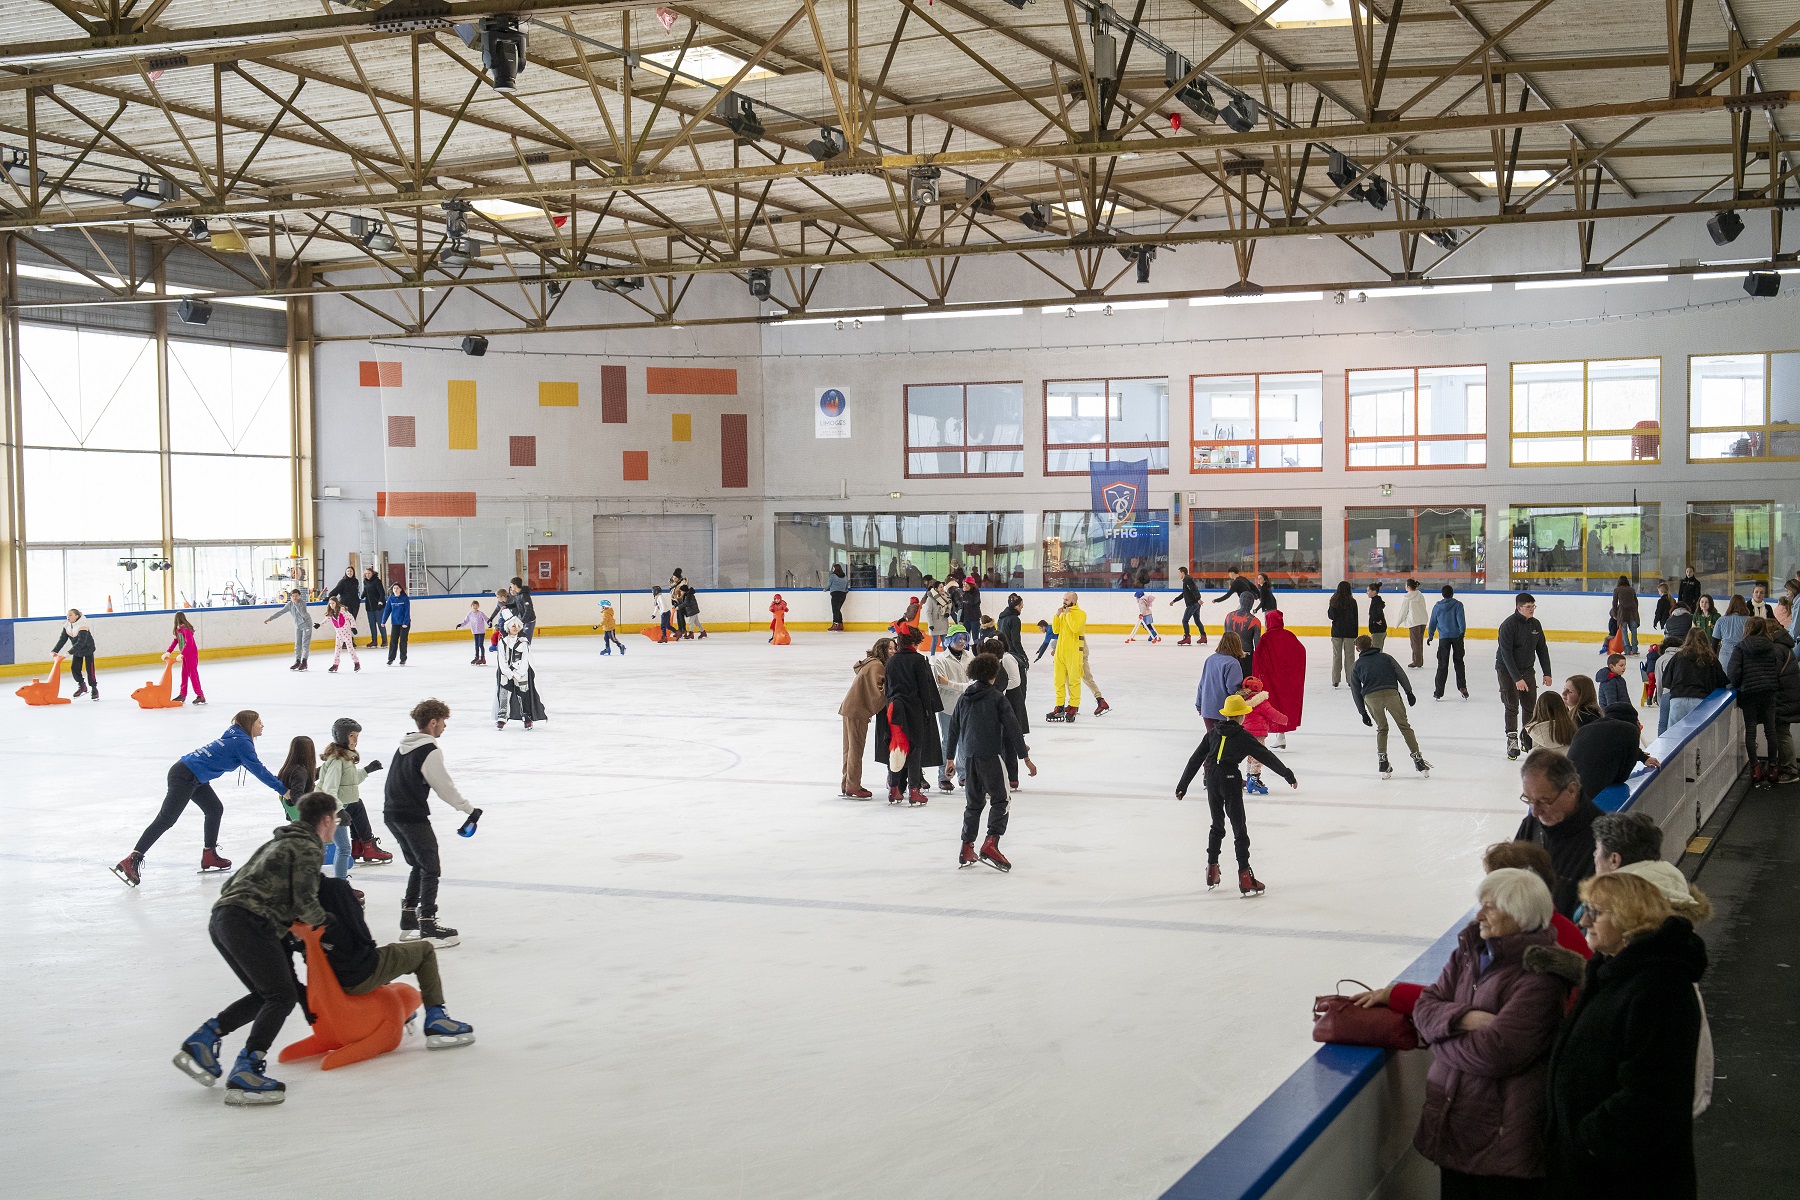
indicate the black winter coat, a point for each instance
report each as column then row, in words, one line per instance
column 1377, row 615
column 374, row 595
column 1343, row 615
column 1571, row 847
column 971, row 611
column 1675, row 629
column 1621, row 1097
column 1754, row 668
column 1688, row 592
column 1520, row 640
column 983, row 725
column 1664, row 606
column 1787, row 704
column 1604, row 753
column 913, row 693
column 1689, row 678
column 1377, row 672
column 349, row 594
column 348, row 946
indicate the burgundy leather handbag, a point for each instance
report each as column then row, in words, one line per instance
column 1341, row 1023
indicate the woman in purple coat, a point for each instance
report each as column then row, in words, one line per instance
column 1490, row 1020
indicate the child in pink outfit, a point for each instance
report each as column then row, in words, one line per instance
column 344, row 626
column 190, row 658
column 1258, row 724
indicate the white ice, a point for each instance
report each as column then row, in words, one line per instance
column 696, row 972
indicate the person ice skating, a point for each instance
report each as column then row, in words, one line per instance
column 1378, row 625
column 1259, row 722
column 1265, row 593
column 1375, row 684
column 298, row 773
column 475, row 621
column 1146, row 619
column 1625, row 612
column 838, row 585
column 278, row 886
column 1235, row 585
column 1011, row 681
column 778, row 630
column 76, row 635
column 661, row 613
column 1010, row 627
column 1220, row 755
column 361, row 966
column 1221, row 675
column 1244, row 623
column 1070, row 626
column 1343, row 614
column 348, row 592
column 1665, row 605
column 374, row 599
column 190, row 779
column 1101, row 707
column 416, row 773
column 1280, row 662
column 295, row 609
column 1520, row 638
column 503, row 608
column 690, row 610
column 523, row 606
column 343, row 628
column 950, row 670
column 969, row 605
column 678, row 594
column 1189, row 599
column 983, row 728
column 913, row 702
column 609, row 626
column 1412, row 619
column 866, row 699
column 1049, row 642
column 341, row 775
column 190, row 658
column 515, row 682
column 1610, row 682
column 398, row 615
column 1449, row 623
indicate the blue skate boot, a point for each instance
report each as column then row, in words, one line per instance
column 248, row 1085
column 442, row 1031
column 199, row 1055
column 1255, row 786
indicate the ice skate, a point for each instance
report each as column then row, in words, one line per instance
column 1280, row 742
column 1248, row 883
column 79, row 692
column 442, row 1031
column 990, row 854
column 441, row 936
column 296, row 665
column 1056, row 714
column 248, row 1085
column 355, row 665
column 198, row 1057
column 127, row 868
column 1420, row 765
column 894, row 796
column 528, row 724
column 409, row 924
column 916, row 797
column 373, row 853
column 94, row 693
column 858, row 794
column 944, row 785
column 332, row 669
column 1255, row 786
column 1212, row 876
column 1102, row 708
column 967, row 857
column 1512, row 745
column 210, row 861
column 1186, row 641
column 1387, row 771
column 1465, row 692
column 199, row 699
column 1069, row 715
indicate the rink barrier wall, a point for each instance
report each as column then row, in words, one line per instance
column 1341, row 1127
column 139, row 638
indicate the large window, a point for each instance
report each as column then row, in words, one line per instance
column 1598, row 411
column 1282, row 541
column 1733, row 546
column 1259, row 422
column 1744, row 406
column 898, row 550
column 1082, row 550
column 1575, row 548
column 1433, row 545
column 1416, row 417
column 965, row 429
column 1105, row 420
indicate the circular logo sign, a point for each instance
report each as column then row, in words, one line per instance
column 832, row 403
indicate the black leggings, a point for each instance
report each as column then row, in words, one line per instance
column 397, row 642
column 75, row 662
column 984, row 784
column 1225, row 796
column 183, row 789
column 1759, row 709
column 837, row 608
column 253, row 948
column 418, row 845
column 360, row 829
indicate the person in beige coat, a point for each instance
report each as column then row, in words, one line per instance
column 1412, row 618
column 866, row 698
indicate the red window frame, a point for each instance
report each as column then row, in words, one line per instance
column 907, row 449
column 1105, row 443
column 1211, row 579
column 1468, row 578
column 1258, row 441
column 1415, row 437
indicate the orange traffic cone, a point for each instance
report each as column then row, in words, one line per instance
column 159, row 693
column 44, row 691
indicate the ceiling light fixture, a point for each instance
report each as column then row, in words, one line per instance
column 503, row 51
column 1724, row 227
column 373, row 234
column 1035, row 218
column 18, row 169
column 629, row 283
column 759, row 282
column 828, row 145
column 197, row 231
column 924, row 185
column 149, row 192
column 459, row 253
column 1241, row 115
column 741, row 117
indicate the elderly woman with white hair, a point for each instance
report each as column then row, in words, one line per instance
column 515, row 682
column 1490, row 1021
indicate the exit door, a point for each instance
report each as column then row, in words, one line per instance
column 547, row 568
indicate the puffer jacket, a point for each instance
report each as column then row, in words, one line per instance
column 983, row 726
column 1484, row 1095
column 280, row 883
column 1754, row 670
column 1787, row 703
column 1611, row 688
column 1689, row 678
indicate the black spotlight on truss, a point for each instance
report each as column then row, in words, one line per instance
column 197, row 230
column 1035, row 218
column 741, row 116
column 1019, row 4
column 556, row 288
column 1340, row 169
column 1762, row 283
column 19, row 169
column 503, row 51
column 1444, row 239
column 1241, row 115
column 1142, row 255
column 923, row 182
column 373, row 234
column 1724, row 227
column 828, row 145
column 193, row 312
column 1373, row 192
column 149, row 192
column 1194, row 95
column 629, row 283
column 474, row 345
column 759, row 283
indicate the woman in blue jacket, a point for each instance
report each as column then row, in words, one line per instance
column 398, row 615
column 1220, row 676
column 190, row 779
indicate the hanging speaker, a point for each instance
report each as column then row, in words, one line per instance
column 1762, row 283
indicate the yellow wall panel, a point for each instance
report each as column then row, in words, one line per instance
column 462, row 414
column 558, row 395
column 681, row 427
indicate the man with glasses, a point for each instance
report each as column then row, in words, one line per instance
column 1521, row 639
column 1561, row 820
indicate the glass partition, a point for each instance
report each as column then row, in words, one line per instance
column 898, row 550
column 1282, row 541
column 1596, row 411
column 1105, row 420
column 1433, row 545
column 1083, row 550
column 1272, row 422
column 1584, row 548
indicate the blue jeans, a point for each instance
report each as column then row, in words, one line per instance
column 340, row 844
column 1631, row 628
column 1679, row 708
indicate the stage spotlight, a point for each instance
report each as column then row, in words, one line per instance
column 373, row 234
column 474, row 345
column 1762, row 283
column 1725, row 227
column 741, row 117
column 197, row 230
column 1374, row 191
column 1035, row 218
column 1241, row 115
column 759, row 283
column 459, row 253
column 828, row 145
column 18, row 169
column 149, row 192
column 630, row 283
column 924, row 185
column 1445, row 239
column 193, row 312
column 503, row 51
column 1339, row 169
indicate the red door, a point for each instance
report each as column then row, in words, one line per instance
column 547, row 568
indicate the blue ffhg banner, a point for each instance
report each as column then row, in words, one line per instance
column 1121, row 490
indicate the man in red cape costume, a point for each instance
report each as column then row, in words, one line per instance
column 1280, row 662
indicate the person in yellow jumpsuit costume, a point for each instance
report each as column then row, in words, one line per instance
column 1069, row 625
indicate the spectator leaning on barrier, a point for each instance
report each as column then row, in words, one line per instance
column 1755, row 674
column 1692, row 675
column 1605, row 752
column 1561, row 821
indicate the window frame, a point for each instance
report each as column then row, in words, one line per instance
column 1106, row 443
column 1258, row 441
column 1584, row 433
column 1209, row 579
column 1416, row 437
column 1516, row 579
column 1767, row 429
column 1045, row 524
column 1471, row 580
column 907, row 449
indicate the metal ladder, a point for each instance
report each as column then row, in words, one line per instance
column 415, row 565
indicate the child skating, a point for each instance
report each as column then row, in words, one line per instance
column 1376, row 682
column 476, row 623
column 778, row 630
column 1262, row 719
column 190, row 658
column 80, row 640
column 1220, row 756
column 341, row 776
column 1146, row 620
column 295, row 609
column 984, row 728
column 609, row 626
column 343, row 627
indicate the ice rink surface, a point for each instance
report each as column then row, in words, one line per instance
column 694, row 971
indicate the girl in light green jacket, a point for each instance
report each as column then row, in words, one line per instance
column 341, row 776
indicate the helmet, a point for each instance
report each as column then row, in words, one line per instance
column 342, row 728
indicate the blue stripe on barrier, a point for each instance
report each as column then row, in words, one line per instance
column 6, row 644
